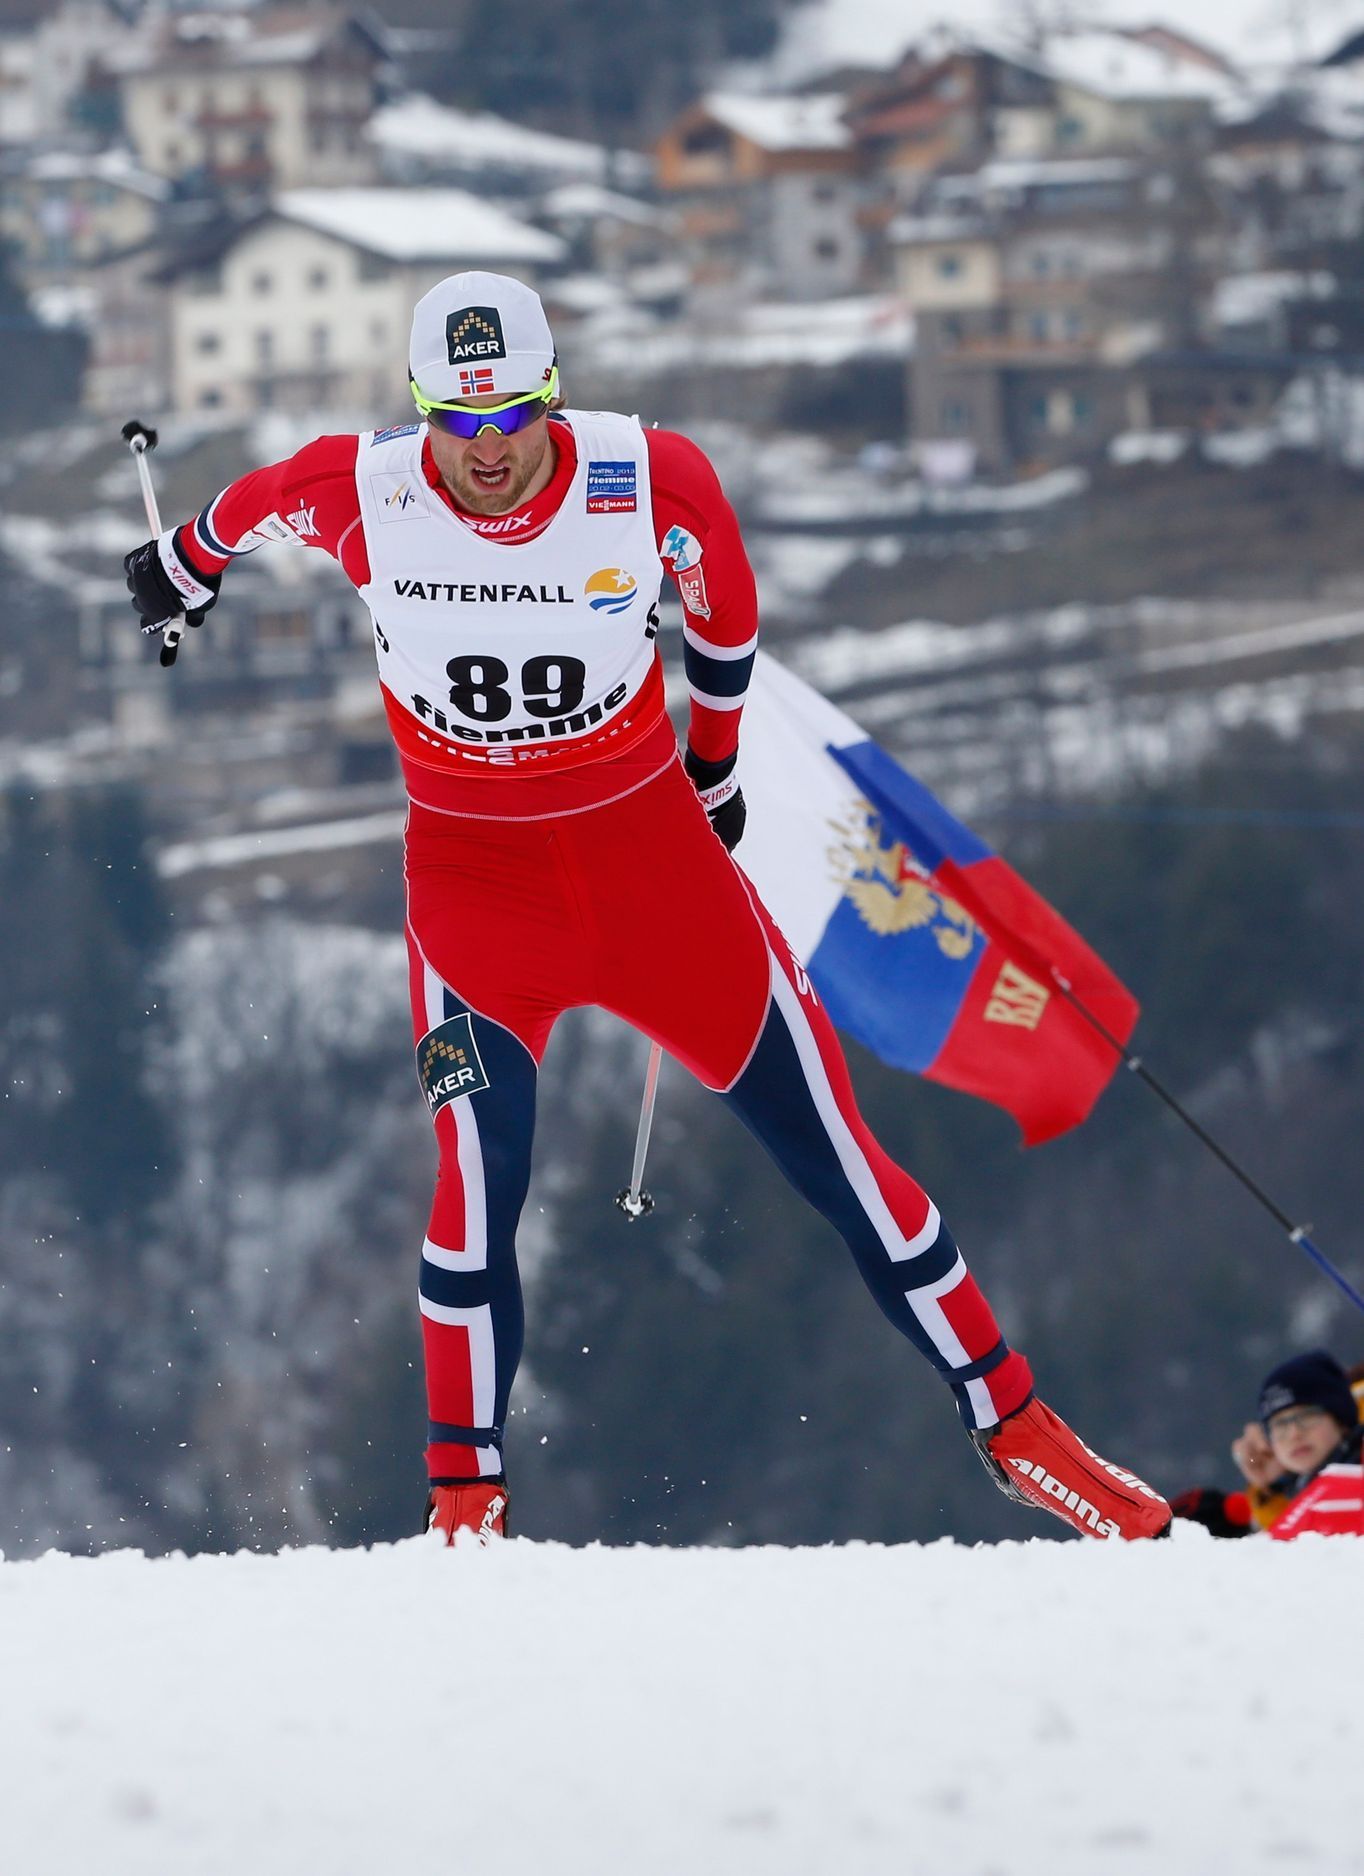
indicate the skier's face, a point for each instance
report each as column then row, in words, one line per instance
column 1301, row 1437
column 491, row 473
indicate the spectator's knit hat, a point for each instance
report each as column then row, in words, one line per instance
column 1312, row 1380
column 478, row 333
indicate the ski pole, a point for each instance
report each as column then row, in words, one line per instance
column 1297, row 1234
column 140, row 439
column 634, row 1201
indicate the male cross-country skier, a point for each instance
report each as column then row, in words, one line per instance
column 511, row 553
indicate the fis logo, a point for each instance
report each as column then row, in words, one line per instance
column 397, row 497
column 448, row 1063
column 610, row 589
column 474, row 382
column 396, row 429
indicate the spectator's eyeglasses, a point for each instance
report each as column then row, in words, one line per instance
column 461, row 420
column 1295, row 1417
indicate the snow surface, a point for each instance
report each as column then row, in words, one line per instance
column 1023, row 1709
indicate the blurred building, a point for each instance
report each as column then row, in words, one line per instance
column 768, row 195
column 1038, row 288
column 241, row 103
column 307, row 304
column 62, row 210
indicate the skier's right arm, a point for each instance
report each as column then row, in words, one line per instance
column 310, row 497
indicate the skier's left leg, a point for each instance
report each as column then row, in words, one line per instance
column 706, row 973
column 698, row 965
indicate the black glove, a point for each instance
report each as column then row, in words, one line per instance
column 721, row 796
column 165, row 582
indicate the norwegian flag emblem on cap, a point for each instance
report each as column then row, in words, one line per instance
column 480, row 379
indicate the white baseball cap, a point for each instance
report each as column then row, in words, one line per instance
column 478, row 333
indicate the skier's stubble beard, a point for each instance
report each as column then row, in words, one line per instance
column 523, row 465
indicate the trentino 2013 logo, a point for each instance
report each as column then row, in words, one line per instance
column 610, row 589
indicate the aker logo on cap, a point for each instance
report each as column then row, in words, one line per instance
column 474, row 333
column 610, row 589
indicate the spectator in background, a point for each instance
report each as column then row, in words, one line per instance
column 1301, row 1458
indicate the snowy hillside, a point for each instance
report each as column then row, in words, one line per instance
column 1018, row 1710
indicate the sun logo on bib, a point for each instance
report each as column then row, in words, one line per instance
column 610, row 589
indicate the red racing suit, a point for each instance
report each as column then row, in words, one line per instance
column 571, row 863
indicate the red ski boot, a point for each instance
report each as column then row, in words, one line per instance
column 1034, row 1457
column 481, row 1507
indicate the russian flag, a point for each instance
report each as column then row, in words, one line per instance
column 923, row 943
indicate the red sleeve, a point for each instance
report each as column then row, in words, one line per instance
column 699, row 543
column 311, row 497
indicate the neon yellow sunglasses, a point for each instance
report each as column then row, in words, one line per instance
column 518, row 413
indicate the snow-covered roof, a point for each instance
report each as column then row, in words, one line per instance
column 925, row 230
column 1245, row 299
column 1333, row 101
column 590, row 202
column 1110, row 65
column 775, row 122
column 1023, row 172
column 417, row 126
column 419, row 224
column 114, row 167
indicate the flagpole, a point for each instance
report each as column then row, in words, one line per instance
column 1297, row 1234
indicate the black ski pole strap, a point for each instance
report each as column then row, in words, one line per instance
column 441, row 1433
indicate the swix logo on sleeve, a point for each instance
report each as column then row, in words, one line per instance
column 474, row 332
column 303, row 521
column 448, row 1062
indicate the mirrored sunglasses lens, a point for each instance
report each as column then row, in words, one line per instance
column 468, row 423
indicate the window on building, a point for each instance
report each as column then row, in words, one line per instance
column 262, row 283
column 948, row 266
column 378, row 332
column 1041, row 263
column 318, row 278
column 265, row 349
column 706, row 140
column 824, row 192
column 207, row 342
column 1038, row 328
column 1074, row 324
column 320, row 340
column 1081, row 408
column 825, row 249
column 955, row 416
column 210, row 398
column 374, row 267
column 1038, row 412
